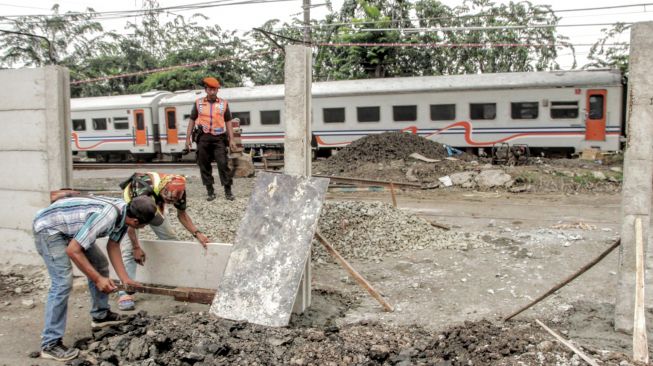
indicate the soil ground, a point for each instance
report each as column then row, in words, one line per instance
column 534, row 241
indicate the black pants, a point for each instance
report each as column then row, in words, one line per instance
column 209, row 148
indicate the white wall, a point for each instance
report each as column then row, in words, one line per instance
column 35, row 155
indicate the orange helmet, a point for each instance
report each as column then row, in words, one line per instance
column 211, row 82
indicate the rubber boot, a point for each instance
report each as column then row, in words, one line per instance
column 227, row 193
column 210, row 193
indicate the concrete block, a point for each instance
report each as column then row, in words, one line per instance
column 178, row 263
column 636, row 189
column 27, row 91
column 35, row 178
column 640, row 64
column 640, row 133
column 271, row 249
column 20, row 207
column 23, row 130
column 18, row 247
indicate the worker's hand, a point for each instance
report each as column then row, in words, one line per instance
column 232, row 147
column 131, row 283
column 105, row 285
column 188, row 145
column 203, row 239
column 139, row 255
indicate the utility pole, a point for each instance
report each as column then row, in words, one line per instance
column 307, row 21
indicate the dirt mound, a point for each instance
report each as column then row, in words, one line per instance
column 385, row 147
column 198, row 339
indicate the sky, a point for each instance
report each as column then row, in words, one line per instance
column 246, row 17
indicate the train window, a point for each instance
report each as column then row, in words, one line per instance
column 564, row 110
column 368, row 114
column 443, row 112
column 243, row 117
column 140, row 120
column 171, row 118
column 596, row 107
column 121, row 123
column 79, row 125
column 333, row 115
column 99, row 123
column 524, row 110
column 403, row 113
column 186, row 116
column 482, row 110
column 270, row 117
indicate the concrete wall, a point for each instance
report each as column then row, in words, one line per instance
column 638, row 171
column 35, row 155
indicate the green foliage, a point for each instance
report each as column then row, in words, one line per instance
column 79, row 43
column 607, row 53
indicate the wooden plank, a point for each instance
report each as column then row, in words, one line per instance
column 640, row 344
column 568, row 344
column 354, row 274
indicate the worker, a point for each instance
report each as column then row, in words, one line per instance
column 211, row 115
column 162, row 189
column 67, row 230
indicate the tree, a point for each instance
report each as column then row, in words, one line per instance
column 71, row 37
column 609, row 53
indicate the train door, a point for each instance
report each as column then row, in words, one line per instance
column 596, row 115
column 140, row 131
column 171, row 126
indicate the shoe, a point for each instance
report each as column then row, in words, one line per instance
column 210, row 192
column 126, row 303
column 110, row 319
column 227, row 193
column 211, row 197
column 57, row 351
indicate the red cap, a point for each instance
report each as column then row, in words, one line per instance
column 211, row 82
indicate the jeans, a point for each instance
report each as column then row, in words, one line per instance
column 52, row 247
column 163, row 232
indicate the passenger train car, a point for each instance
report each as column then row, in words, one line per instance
column 564, row 110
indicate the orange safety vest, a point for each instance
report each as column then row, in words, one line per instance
column 211, row 115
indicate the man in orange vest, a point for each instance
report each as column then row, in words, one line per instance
column 212, row 114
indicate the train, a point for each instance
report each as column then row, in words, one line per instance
column 548, row 111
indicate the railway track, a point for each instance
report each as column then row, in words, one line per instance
column 150, row 166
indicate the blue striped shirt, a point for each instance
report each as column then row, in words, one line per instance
column 84, row 219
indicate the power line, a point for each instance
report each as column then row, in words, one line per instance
column 169, row 68
column 484, row 28
column 458, row 45
column 479, row 15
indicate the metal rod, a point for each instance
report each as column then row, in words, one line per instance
column 392, row 193
column 353, row 273
column 567, row 280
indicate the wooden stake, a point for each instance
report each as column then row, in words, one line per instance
column 580, row 353
column 353, row 273
column 392, row 192
column 441, row 226
column 567, row 280
column 640, row 345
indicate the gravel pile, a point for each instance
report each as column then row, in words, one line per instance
column 21, row 281
column 372, row 230
column 358, row 230
column 383, row 148
column 198, row 339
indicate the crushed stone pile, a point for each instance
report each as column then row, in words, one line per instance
column 198, row 339
column 372, row 230
column 385, row 147
column 20, row 281
column 358, row 230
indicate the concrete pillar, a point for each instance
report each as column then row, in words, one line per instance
column 638, row 169
column 35, row 154
column 297, row 141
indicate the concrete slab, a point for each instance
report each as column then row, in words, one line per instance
column 20, row 207
column 178, row 263
column 271, row 249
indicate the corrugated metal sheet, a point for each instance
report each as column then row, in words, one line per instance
column 131, row 101
column 516, row 80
